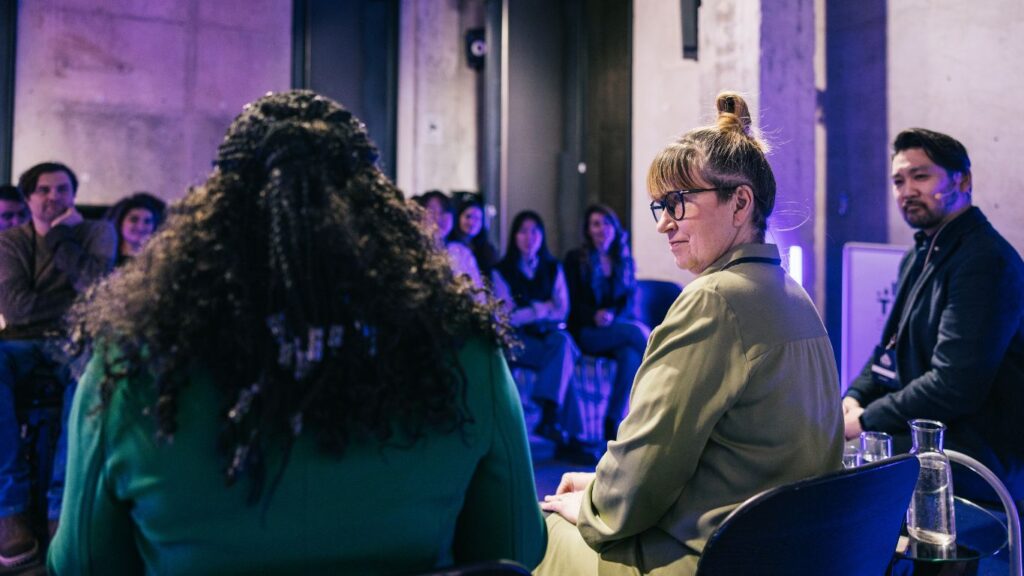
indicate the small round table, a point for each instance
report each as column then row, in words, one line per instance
column 979, row 534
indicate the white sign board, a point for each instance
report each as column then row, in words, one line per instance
column 870, row 275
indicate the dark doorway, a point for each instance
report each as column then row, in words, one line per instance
column 566, row 112
column 857, row 163
column 349, row 52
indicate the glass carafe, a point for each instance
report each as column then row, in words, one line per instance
column 930, row 516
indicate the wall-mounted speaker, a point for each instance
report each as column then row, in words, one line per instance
column 476, row 48
column 688, row 11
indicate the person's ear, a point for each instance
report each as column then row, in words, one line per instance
column 963, row 182
column 744, row 197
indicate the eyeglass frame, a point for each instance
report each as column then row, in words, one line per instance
column 662, row 205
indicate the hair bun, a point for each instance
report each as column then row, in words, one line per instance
column 733, row 113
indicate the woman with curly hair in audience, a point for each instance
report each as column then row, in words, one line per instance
column 471, row 230
column 135, row 218
column 290, row 379
column 602, row 318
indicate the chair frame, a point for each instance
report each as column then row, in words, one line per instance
column 1012, row 518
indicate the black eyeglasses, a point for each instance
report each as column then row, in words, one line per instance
column 673, row 202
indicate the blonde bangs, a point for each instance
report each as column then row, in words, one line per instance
column 679, row 166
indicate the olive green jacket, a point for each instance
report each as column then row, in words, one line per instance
column 737, row 393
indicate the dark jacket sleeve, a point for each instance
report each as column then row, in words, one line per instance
column 863, row 389
column 84, row 257
column 979, row 316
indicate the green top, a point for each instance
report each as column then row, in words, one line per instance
column 134, row 505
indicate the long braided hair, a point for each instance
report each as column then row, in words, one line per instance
column 301, row 279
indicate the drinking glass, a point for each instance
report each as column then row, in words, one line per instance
column 851, row 455
column 875, row 446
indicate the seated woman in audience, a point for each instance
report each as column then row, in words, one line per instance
column 738, row 390
column 471, row 230
column 13, row 209
column 135, row 218
column 274, row 392
column 441, row 218
column 530, row 282
column 602, row 316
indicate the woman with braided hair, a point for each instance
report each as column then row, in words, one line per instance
column 737, row 391
column 289, row 379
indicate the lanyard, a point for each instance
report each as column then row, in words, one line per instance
column 914, row 291
column 759, row 259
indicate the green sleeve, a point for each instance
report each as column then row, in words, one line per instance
column 691, row 373
column 96, row 533
column 500, row 518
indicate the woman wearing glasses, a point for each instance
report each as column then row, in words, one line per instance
column 738, row 390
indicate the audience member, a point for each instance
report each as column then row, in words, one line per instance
column 531, row 283
column 602, row 313
column 738, row 391
column 471, row 230
column 43, row 266
column 13, row 210
column 287, row 380
column 135, row 218
column 441, row 217
column 953, row 347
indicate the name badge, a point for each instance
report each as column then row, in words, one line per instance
column 883, row 367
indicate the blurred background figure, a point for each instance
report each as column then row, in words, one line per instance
column 471, row 230
column 135, row 218
column 44, row 265
column 441, row 218
column 13, row 209
column 531, row 284
column 602, row 317
column 288, row 380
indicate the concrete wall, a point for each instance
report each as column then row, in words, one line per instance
column 666, row 102
column 437, row 96
column 137, row 95
column 672, row 95
column 955, row 67
column 766, row 56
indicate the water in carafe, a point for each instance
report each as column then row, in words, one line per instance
column 930, row 517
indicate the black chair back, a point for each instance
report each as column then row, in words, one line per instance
column 844, row 523
column 654, row 298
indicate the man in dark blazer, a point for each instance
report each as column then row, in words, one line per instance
column 953, row 346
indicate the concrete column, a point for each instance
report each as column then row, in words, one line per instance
column 788, row 111
column 437, row 96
